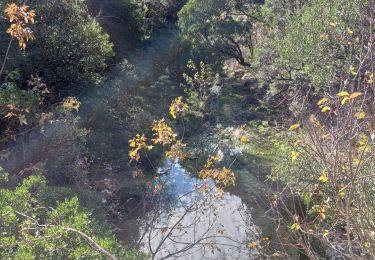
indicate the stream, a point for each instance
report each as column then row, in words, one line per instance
column 207, row 227
column 191, row 219
column 181, row 216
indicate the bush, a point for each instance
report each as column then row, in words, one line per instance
column 31, row 229
column 217, row 30
column 312, row 44
column 70, row 52
column 328, row 168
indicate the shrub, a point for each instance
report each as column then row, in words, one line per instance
column 32, row 229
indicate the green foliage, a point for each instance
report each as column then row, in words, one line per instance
column 22, row 99
column 275, row 12
column 216, row 29
column 87, row 198
column 123, row 20
column 32, row 229
column 71, row 49
column 304, row 45
column 16, row 108
column 130, row 22
column 312, row 42
column 201, row 86
column 153, row 14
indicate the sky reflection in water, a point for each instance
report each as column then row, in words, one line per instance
column 207, row 227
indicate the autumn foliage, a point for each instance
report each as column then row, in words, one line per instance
column 20, row 17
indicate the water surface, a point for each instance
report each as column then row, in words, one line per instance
column 195, row 224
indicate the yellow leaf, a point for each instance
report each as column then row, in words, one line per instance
column 325, row 233
column 343, row 101
column 342, row 192
column 71, row 103
column 163, row 133
column 343, row 94
column 177, row 106
column 364, row 148
column 321, row 210
column 370, row 79
column 294, row 127
column 297, row 143
column 360, row 115
column 350, row 32
column 322, row 101
column 363, row 143
column 323, row 36
column 333, row 25
column 295, row 227
column 294, row 155
column 363, row 139
column 356, row 161
column 9, row 115
column 323, row 178
column 244, row 139
column 353, row 71
column 325, row 109
column 252, row 245
column 355, row 95
column 173, row 114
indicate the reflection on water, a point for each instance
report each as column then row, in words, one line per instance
column 196, row 225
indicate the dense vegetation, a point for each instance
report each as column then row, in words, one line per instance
column 95, row 92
